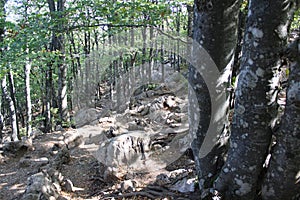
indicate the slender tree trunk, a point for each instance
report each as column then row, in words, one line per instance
column 215, row 28
column 27, row 69
column 283, row 179
column 2, row 31
column 13, row 97
column 177, row 60
column 1, row 121
column 265, row 35
column 162, row 55
column 150, row 62
column 48, row 99
column 12, row 110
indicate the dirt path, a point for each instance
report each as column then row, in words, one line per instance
column 13, row 173
column 83, row 170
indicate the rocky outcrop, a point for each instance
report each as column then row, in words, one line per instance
column 49, row 182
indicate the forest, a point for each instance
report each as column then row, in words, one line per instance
column 150, row 99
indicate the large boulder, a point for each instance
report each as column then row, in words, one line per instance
column 124, row 152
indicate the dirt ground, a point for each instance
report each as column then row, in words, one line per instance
column 84, row 171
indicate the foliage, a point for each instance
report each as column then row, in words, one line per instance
column 296, row 22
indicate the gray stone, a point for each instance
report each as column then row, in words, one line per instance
column 128, row 186
column 127, row 150
column 40, row 185
column 185, row 185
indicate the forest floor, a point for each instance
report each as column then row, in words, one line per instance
column 82, row 170
column 153, row 110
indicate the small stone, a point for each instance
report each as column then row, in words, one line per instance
column 226, row 170
column 128, row 186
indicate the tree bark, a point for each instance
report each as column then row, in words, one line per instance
column 27, row 69
column 1, row 122
column 48, row 99
column 12, row 110
column 215, row 28
column 265, row 35
column 12, row 90
column 2, row 31
column 57, row 44
column 282, row 180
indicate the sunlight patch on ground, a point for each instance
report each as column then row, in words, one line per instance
column 8, row 174
column 18, row 187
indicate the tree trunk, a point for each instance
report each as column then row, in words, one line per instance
column 48, row 98
column 215, row 28
column 283, row 179
column 265, row 34
column 12, row 110
column 57, row 44
column 13, row 97
column 2, row 31
column 27, row 69
column 1, row 122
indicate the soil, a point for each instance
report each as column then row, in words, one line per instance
column 85, row 173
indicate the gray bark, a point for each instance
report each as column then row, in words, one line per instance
column 48, row 98
column 28, row 97
column 1, row 123
column 57, row 44
column 12, row 92
column 2, row 19
column 265, row 35
column 283, row 179
column 215, row 28
column 12, row 110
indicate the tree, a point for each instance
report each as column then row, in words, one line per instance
column 215, row 28
column 57, row 46
column 13, row 117
column 27, row 69
column 282, row 178
column 265, row 37
column 9, row 96
column 2, row 21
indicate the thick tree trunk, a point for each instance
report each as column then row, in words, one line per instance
column 215, row 28
column 265, row 35
column 283, row 177
column 57, row 44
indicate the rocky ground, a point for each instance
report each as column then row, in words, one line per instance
column 139, row 153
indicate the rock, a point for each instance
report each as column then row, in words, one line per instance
column 185, row 185
column 75, row 140
column 128, row 186
column 67, row 186
column 40, row 185
column 162, row 180
column 19, row 147
column 132, row 126
column 89, row 116
column 124, row 151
